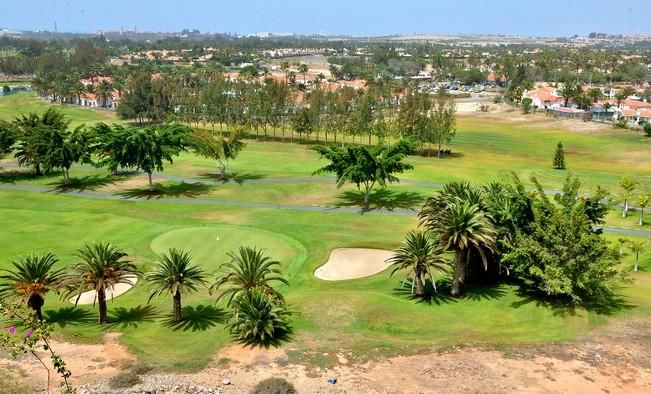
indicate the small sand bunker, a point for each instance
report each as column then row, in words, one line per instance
column 353, row 263
column 90, row 297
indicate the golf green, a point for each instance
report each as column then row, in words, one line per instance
column 210, row 245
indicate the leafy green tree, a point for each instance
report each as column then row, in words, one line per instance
column 628, row 186
column 302, row 122
column 62, row 148
column 527, row 104
column 637, row 247
column 175, row 275
column 568, row 91
column 248, row 270
column 420, row 255
column 442, row 120
column 104, row 91
column 149, row 148
column 223, row 150
column 643, row 202
column 363, row 166
column 258, row 320
column 7, row 137
column 562, row 255
column 102, row 267
column 30, row 145
column 31, row 278
column 559, row 157
column 647, row 129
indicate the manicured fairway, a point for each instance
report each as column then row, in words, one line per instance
column 366, row 317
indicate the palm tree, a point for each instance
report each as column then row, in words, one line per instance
column 104, row 90
column 637, row 247
column 284, row 67
column 31, row 278
column 421, row 255
column 102, row 267
column 303, row 69
column 628, row 185
column 464, row 226
column 258, row 320
column 175, row 275
column 643, row 202
column 248, row 270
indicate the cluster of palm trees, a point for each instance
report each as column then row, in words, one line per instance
column 455, row 220
column 259, row 314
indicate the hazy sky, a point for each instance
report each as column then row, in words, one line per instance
column 359, row 17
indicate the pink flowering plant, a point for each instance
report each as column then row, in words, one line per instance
column 21, row 334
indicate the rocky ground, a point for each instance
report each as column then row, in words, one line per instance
column 617, row 359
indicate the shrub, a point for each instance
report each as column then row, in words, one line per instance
column 647, row 129
column 621, row 124
column 141, row 368
column 274, row 386
column 124, row 379
column 484, row 108
column 497, row 99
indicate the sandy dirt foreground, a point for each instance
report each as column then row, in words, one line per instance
column 353, row 263
column 618, row 360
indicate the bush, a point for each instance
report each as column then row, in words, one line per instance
column 647, row 129
column 141, row 368
column 621, row 124
column 497, row 100
column 274, row 386
column 124, row 379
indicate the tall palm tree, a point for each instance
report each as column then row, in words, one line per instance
column 175, row 275
column 284, row 67
column 419, row 254
column 31, row 278
column 303, row 69
column 104, row 90
column 637, row 247
column 643, row 202
column 248, row 270
column 463, row 227
column 102, row 267
column 628, row 186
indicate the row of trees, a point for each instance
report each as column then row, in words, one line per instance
column 259, row 314
column 256, row 102
column 46, row 143
column 501, row 230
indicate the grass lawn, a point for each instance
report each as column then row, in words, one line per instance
column 370, row 316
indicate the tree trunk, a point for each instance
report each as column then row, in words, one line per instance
column 178, row 315
column 101, row 301
column 458, row 273
column 36, row 303
column 151, row 185
column 367, row 192
column 641, row 216
column 420, row 286
column 625, row 209
column 637, row 260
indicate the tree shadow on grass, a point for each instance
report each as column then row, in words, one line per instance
column 130, row 318
column 69, row 316
column 280, row 337
column 199, row 318
column 483, row 292
column 382, row 199
column 236, row 177
column 13, row 176
column 89, row 182
column 183, row 189
column 439, row 297
column 608, row 305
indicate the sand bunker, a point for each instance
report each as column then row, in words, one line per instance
column 90, row 297
column 353, row 263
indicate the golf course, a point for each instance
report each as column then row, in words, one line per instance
column 272, row 201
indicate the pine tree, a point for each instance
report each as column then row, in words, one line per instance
column 559, row 157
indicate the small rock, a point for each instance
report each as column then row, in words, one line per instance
column 226, row 382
